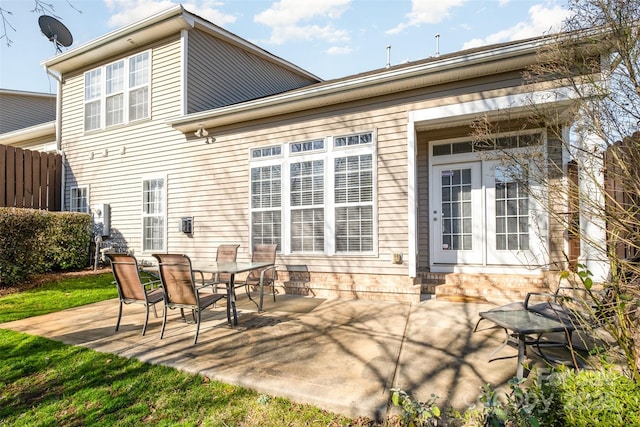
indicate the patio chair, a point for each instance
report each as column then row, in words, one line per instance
column 224, row 253
column 179, row 288
column 131, row 288
column 261, row 277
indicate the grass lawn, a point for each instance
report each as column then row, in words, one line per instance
column 47, row 383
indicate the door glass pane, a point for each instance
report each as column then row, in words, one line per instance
column 512, row 212
column 456, row 209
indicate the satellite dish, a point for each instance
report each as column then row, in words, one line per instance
column 55, row 31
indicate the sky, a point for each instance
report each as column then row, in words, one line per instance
column 329, row 38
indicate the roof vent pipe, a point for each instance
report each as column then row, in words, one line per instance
column 388, row 56
column 437, row 44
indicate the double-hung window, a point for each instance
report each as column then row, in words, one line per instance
column 153, row 214
column 79, row 201
column 306, row 199
column 266, row 204
column 315, row 196
column 354, row 203
column 118, row 92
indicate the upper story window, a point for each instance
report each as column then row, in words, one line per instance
column 117, row 93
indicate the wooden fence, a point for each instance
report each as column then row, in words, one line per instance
column 622, row 185
column 30, row 179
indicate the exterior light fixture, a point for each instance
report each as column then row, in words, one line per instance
column 202, row 132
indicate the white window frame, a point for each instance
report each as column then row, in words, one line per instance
column 144, row 215
column 73, row 198
column 272, row 160
column 328, row 153
column 95, row 113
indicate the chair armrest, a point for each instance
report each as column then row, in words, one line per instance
column 264, row 270
column 202, row 283
column 541, row 294
column 153, row 284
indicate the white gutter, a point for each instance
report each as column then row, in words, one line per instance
column 32, row 132
column 170, row 21
column 58, row 128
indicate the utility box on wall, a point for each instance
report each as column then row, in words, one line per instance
column 102, row 219
column 186, row 224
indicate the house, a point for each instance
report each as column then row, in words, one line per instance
column 182, row 136
column 27, row 120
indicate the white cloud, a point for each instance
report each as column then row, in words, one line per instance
column 290, row 12
column 339, row 50
column 542, row 20
column 210, row 10
column 426, row 12
column 328, row 33
column 286, row 19
column 128, row 11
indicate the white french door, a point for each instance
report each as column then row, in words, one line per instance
column 457, row 213
column 482, row 214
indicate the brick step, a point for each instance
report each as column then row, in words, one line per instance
column 494, row 288
column 430, row 281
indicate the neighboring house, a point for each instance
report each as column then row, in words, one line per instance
column 369, row 184
column 27, row 120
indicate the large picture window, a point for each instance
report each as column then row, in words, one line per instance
column 315, row 196
column 117, row 93
column 153, row 214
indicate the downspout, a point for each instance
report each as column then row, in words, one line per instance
column 59, row 131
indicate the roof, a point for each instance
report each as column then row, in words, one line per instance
column 431, row 71
column 156, row 27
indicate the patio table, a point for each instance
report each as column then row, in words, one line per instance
column 231, row 268
column 523, row 323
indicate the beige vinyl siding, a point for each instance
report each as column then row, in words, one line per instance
column 46, row 143
column 19, row 111
column 222, row 74
column 149, row 146
column 422, row 186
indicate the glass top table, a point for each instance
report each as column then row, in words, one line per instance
column 231, row 268
column 523, row 323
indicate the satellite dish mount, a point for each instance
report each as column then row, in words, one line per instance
column 55, row 31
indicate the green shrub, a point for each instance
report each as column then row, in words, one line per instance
column 598, row 398
column 34, row 241
column 69, row 240
column 565, row 398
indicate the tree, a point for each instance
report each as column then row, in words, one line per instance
column 594, row 62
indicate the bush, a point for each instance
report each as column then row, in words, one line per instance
column 69, row 240
column 33, row 241
column 598, row 398
column 602, row 398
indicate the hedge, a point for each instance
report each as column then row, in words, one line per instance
column 34, row 241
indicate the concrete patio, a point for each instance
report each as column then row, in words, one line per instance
column 341, row 355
